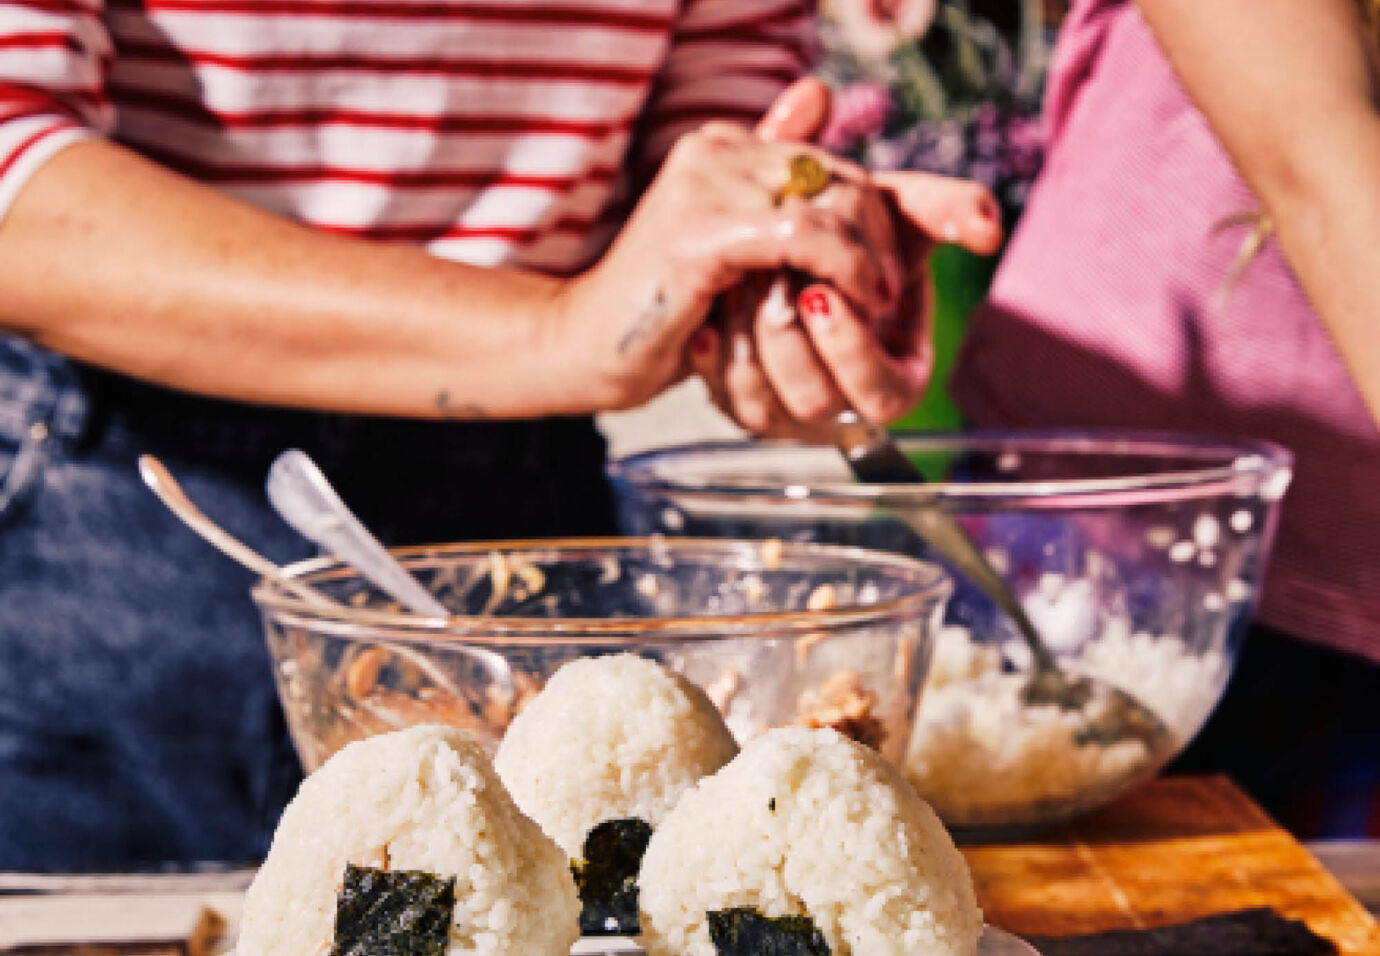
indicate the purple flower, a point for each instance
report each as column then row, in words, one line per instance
column 986, row 172
column 859, row 112
column 988, row 132
column 1024, row 146
column 889, row 155
column 940, row 147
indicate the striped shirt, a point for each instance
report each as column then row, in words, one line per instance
column 488, row 131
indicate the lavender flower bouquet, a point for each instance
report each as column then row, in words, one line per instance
column 951, row 87
column 947, row 86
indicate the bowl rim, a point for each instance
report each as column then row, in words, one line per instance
column 1241, row 466
column 934, row 586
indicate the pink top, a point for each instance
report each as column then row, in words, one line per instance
column 1100, row 316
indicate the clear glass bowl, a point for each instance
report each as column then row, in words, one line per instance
column 775, row 635
column 1139, row 557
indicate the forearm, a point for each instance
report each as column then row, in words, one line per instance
column 1329, row 230
column 1289, row 87
column 113, row 260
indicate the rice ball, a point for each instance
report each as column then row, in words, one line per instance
column 610, row 738
column 808, row 823
column 598, row 759
column 419, row 801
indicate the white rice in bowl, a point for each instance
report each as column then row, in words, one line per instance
column 421, row 799
column 808, row 822
column 981, row 757
column 610, row 738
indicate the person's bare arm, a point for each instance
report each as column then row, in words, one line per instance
column 1289, row 86
column 109, row 258
column 112, row 259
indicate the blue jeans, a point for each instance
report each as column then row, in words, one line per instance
column 138, row 720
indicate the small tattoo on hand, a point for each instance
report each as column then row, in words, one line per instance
column 468, row 410
column 647, row 322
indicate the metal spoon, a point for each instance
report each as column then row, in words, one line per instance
column 162, row 483
column 165, row 486
column 300, row 493
column 1113, row 714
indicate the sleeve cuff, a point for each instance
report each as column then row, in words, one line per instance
column 26, row 144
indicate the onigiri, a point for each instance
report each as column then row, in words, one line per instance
column 811, row 836
column 408, row 842
column 599, row 758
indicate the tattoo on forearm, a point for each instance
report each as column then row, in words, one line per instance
column 469, row 410
column 647, row 322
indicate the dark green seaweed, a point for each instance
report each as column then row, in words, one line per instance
column 607, row 877
column 393, row 913
column 742, row 931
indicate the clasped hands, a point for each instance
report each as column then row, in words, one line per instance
column 793, row 301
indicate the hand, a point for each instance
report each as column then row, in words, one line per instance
column 776, row 376
column 710, row 218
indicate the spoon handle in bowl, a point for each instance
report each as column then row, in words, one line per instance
column 305, row 499
column 875, row 459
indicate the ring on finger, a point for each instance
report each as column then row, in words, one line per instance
column 806, row 177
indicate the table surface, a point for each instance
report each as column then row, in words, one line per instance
column 1174, row 850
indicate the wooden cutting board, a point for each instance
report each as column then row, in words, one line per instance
column 1175, row 850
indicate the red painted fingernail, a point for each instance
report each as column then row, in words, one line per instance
column 989, row 210
column 815, row 303
column 702, row 342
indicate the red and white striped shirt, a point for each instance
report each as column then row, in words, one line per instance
column 488, row 131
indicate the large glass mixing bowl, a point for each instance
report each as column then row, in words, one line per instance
column 1139, row 558
column 812, row 634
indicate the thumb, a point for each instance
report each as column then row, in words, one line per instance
column 946, row 209
column 798, row 115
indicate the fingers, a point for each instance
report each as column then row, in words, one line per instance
column 791, row 366
column 705, row 358
column 726, row 358
column 870, row 214
column 784, row 380
column 801, row 236
column 947, row 209
column 798, row 114
column 750, row 398
column 781, row 378
column 715, row 201
column 879, row 385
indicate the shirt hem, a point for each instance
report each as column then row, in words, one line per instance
column 1318, row 614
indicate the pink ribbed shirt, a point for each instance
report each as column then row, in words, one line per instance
column 1101, row 315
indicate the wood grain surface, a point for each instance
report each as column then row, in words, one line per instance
column 1176, row 849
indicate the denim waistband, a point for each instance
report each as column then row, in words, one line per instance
column 39, row 391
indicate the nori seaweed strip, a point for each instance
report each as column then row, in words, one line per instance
column 607, row 877
column 1254, row 932
column 742, row 931
column 393, row 913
